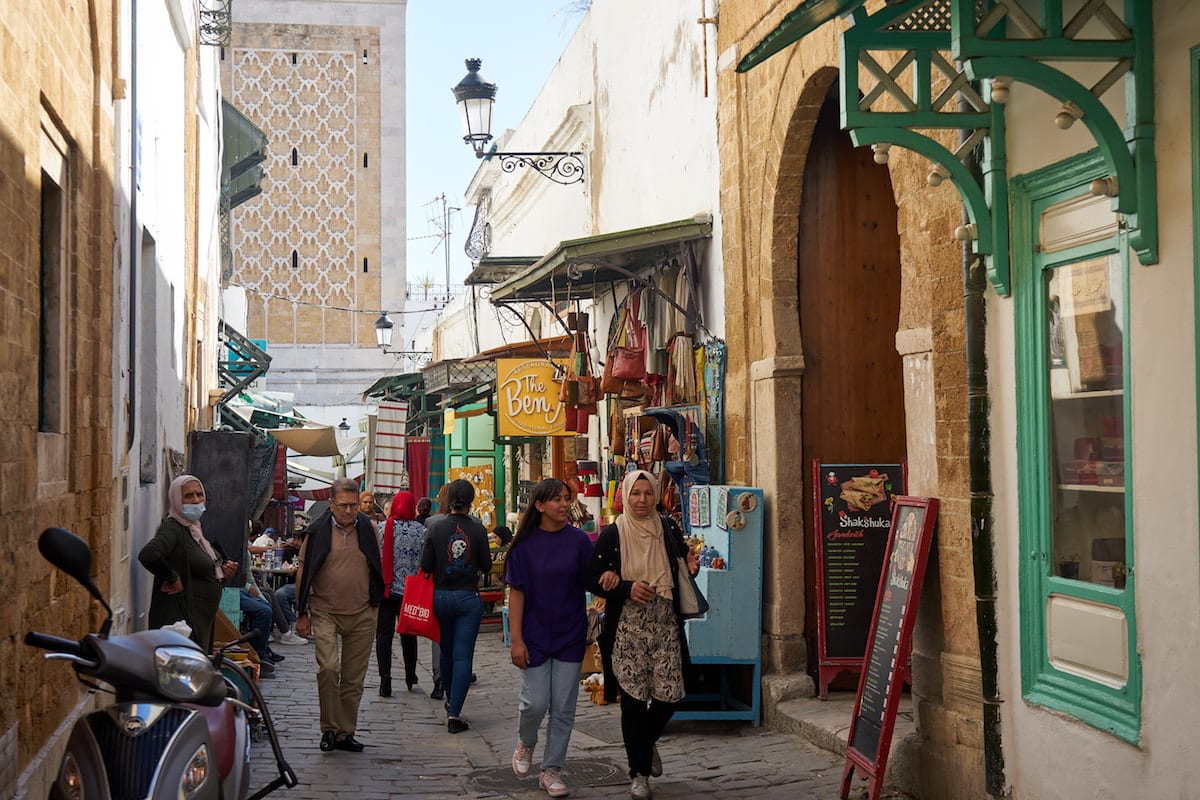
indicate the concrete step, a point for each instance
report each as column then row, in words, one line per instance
column 790, row 706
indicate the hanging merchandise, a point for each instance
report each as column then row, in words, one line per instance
column 579, row 392
column 625, row 362
column 714, row 408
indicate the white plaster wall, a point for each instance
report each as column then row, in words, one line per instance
column 166, row 34
column 633, row 97
column 1048, row 754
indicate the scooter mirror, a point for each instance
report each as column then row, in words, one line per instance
column 72, row 555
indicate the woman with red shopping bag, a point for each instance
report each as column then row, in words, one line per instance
column 401, row 549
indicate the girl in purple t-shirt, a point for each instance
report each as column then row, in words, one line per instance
column 547, row 617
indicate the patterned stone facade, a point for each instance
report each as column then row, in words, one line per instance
column 308, row 249
column 57, row 91
column 766, row 119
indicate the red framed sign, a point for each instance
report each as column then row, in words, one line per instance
column 870, row 738
column 852, row 515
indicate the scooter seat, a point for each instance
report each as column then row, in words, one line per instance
column 222, row 733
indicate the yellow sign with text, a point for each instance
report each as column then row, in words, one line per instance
column 527, row 396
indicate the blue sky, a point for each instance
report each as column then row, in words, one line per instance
column 519, row 42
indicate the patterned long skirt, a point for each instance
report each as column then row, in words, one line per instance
column 646, row 658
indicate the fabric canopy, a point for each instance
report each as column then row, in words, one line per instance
column 310, row 440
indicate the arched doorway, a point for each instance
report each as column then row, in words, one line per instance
column 848, row 289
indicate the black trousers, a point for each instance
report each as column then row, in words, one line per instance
column 640, row 728
column 385, row 629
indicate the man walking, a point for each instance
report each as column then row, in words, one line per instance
column 340, row 582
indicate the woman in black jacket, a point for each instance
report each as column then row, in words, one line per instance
column 188, row 573
column 642, row 644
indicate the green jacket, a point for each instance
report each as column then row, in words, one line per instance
column 171, row 554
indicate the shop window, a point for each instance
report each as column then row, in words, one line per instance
column 295, row 260
column 295, row 157
column 364, row 160
column 1072, row 312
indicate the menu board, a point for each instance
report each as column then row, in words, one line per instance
column 891, row 636
column 853, row 514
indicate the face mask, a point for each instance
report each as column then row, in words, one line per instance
column 193, row 511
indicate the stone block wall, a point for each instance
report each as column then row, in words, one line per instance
column 56, row 71
column 765, row 120
column 314, row 89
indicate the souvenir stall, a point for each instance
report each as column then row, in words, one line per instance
column 726, row 531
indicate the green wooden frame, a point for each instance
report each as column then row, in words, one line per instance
column 1127, row 146
column 1117, row 711
column 467, row 456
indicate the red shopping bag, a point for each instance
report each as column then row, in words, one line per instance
column 416, row 611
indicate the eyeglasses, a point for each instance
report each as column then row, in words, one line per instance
column 345, row 506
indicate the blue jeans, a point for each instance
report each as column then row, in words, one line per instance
column 458, row 612
column 258, row 616
column 551, row 686
column 286, row 597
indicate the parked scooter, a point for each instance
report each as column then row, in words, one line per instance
column 177, row 729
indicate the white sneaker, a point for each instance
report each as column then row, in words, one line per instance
column 522, row 760
column 291, row 638
column 552, row 782
column 640, row 788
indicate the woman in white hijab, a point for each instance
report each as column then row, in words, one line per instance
column 642, row 645
column 187, row 571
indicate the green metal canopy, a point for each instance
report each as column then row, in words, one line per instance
column 601, row 260
column 809, row 16
column 245, row 148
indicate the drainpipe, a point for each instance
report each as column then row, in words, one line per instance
column 134, row 237
column 983, row 548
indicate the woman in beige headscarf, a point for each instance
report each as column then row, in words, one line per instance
column 642, row 646
column 188, row 573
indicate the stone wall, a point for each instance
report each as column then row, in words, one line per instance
column 307, row 87
column 56, row 71
column 766, row 117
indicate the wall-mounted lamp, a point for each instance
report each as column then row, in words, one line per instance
column 383, row 338
column 475, row 97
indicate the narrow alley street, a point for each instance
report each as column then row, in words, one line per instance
column 411, row 755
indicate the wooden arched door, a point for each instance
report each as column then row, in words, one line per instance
column 848, row 274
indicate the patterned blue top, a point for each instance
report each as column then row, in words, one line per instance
column 407, row 538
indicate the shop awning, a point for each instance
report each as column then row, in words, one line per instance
column 310, row 440
column 554, row 345
column 601, row 260
column 807, row 17
column 498, row 269
column 398, row 387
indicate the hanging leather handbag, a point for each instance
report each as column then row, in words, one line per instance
column 629, row 361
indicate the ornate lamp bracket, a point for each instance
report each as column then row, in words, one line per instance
column 562, row 168
column 1047, row 34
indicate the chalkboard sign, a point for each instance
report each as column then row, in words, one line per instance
column 852, row 510
column 879, row 687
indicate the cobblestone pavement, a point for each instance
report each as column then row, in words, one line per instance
column 410, row 754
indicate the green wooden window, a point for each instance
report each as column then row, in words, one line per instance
column 1078, row 631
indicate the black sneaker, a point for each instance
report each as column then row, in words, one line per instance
column 274, row 657
column 456, row 725
column 438, row 692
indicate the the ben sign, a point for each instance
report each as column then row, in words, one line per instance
column 527, row 398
